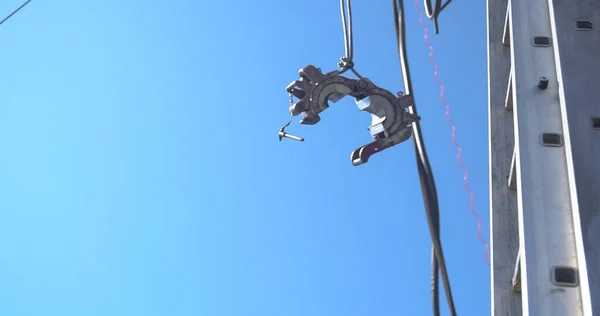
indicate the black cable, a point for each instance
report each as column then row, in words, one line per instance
column 435, row 268
column 427, row 181
column 435, row 290
column 13, row 13
column 434, row 13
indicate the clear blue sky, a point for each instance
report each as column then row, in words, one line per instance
column 141, row 172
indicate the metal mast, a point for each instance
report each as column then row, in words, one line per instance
column 544, row 130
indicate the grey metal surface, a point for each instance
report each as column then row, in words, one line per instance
column 390, row 119
column 503, row 201
column 578, row 65
column 545, row 216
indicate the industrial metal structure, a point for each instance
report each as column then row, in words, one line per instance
column 544, row 145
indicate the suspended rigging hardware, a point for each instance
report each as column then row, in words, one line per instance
column 390, row 121
column 433, row 12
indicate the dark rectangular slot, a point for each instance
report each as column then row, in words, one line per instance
column 595, row 121
column 551, row 139
column 541, row 41
column 565, row 276
column 583, row 25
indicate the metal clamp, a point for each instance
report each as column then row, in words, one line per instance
column 390, row 121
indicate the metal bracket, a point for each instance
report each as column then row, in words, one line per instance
column 390, row 120
column 516, row 279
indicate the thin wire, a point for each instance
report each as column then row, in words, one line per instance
column 434, row 13
column 14, row 12
column 454, row 142
column 282, row 129
column 426, row 178
column 288, row 122
column 444, row 6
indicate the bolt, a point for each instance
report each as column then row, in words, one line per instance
column 543, row 83
column 362, row 84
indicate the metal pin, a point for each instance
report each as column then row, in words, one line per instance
column 283, row 134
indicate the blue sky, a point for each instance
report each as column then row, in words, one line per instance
column 141, row 172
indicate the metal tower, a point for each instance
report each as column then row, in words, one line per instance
column 544, row 146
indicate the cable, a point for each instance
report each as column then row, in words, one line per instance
column 435, row 289
column 428, row 188
column 14, row 12
column 347, row 25
column 347, row 62
column 434, row 13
